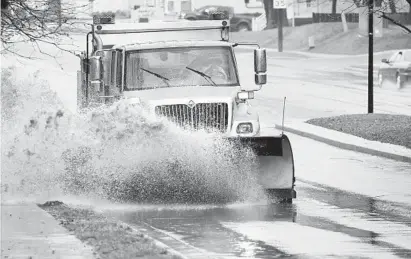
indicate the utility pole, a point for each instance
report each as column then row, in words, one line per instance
column 280, row 5
column 280, row 30
column 370, row 56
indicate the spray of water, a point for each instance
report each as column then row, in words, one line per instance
column 119, row 153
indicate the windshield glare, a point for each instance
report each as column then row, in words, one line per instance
column 179, row 67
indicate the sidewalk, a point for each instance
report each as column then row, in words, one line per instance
column 27, row 231
column 347, row 141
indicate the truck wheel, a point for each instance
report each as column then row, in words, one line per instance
column 243, row 27
column 286, row 201
column 283, row 196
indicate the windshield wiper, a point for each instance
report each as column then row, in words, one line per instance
column 165, row 79
column 207, row 77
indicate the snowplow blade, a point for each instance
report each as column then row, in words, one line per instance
column 275, row 164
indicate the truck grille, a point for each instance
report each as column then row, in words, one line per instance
column 207, row 116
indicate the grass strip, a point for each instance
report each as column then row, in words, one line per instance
column 385, row 128
column 108, row 237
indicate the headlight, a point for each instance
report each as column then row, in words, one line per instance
column 244, row 95
column 244, row 128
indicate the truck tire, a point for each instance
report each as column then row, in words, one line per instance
column 283, row 196
column 243, row 27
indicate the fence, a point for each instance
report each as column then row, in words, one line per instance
column 329, row 17
column 403, row 18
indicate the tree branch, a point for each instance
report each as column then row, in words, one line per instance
column 395, row 22
column 37, row 21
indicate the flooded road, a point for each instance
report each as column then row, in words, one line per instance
column 322, row 223
column 348, row 205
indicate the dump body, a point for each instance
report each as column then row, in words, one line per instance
column 193, row 81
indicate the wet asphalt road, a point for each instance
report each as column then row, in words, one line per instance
column 323, row 222
column 320, row 86
column 349, row 205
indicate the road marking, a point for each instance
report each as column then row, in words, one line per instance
column 190, row 251
column 307, row 185
column 296, row 239
column 394, row 233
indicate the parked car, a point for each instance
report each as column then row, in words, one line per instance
column 396, row 69
column 238, row 22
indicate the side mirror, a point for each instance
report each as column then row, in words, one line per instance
column 260, row 79
column 384, row 60
column 260, row 61
column 260, row 66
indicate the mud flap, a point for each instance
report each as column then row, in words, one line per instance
column 276, row 163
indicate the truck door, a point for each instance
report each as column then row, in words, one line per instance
column 111, row 85
column 96, row 94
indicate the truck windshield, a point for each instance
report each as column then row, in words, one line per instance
column 179, row 67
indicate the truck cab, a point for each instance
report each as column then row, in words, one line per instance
column 195, row 83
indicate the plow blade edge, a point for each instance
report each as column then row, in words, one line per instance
column 275, row 163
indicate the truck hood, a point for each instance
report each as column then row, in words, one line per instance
column 182, row 95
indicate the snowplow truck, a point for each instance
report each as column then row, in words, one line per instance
column 187, row 72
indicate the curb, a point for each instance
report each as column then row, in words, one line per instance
column 346, row 146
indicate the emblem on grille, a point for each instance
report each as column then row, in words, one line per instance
column 191, row 104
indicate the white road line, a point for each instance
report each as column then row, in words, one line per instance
column 390, row 232
column 307, row 185
column 296, row 239
column 191, row 251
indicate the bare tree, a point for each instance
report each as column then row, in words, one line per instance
column 36, row 21
column 334, row 7
column 384, row 12
column 272, row 15
column 380, row 10
column 392, row 6
column 268, row 8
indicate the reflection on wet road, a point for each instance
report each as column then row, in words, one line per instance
column 322, row 223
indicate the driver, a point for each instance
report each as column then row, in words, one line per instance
column 216, row 68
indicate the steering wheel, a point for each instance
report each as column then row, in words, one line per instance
column 216, row 71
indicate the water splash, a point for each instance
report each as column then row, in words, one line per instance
column 119, row 153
